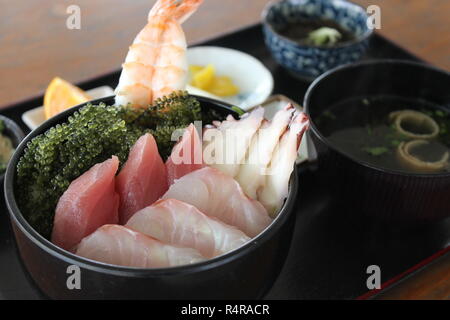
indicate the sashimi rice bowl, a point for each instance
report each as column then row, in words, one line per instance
column 154, row 193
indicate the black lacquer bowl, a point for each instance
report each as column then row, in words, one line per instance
column 12, row 131
column 247, row 272
column 364, row 187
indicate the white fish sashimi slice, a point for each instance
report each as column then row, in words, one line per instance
column 282, row 164
column 220, row 196
column 252, row 172
column 178, row 223
column 230, row 140
column 122, row 246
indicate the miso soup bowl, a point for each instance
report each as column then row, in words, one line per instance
column 245, row 273
column 364, row 187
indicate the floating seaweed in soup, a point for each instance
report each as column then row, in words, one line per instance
column 317, row 32
column 391, row 132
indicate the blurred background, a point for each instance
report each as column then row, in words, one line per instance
column 36, row 45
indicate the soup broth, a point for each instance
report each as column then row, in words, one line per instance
column 300, row 30
column 369, row 129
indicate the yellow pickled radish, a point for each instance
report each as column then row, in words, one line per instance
column 205, row 78
column 223, row 86
column 61, row 95
column 194, row 68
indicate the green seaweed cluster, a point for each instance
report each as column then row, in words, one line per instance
column 167, row 114
column 91, row 135
column 324, row 36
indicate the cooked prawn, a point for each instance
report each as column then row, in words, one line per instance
column 156, row 63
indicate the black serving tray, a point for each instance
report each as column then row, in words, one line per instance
column 332, row 246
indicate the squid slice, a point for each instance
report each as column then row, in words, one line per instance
column 282, row 164
column 252, row 173
column 226, row 145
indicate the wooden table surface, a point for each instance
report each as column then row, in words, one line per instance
column 35, row 44
column 432, row 283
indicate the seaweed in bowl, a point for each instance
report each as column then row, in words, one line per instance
column 67, row 186
column 116, row 278
column 317, row 32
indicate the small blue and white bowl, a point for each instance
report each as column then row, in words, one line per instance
column 305, row 61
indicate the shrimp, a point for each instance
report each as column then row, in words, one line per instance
column 156, row 63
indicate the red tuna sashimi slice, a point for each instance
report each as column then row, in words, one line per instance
column 220, row 196
column 88, row 203
column 181, row 224
column 186, row 155
column 122, row 246
column 143, row 178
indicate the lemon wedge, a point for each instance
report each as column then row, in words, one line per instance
column 61, row 95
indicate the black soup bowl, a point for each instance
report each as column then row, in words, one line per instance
column 362, row 186
column 245, row 273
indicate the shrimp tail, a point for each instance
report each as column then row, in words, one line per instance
column 180, row 10
column 156, row 63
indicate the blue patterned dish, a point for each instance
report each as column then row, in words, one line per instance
column 308, row 62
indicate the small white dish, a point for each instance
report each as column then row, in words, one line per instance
column 254, row 80
column 35, row 117
column 199, row 92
